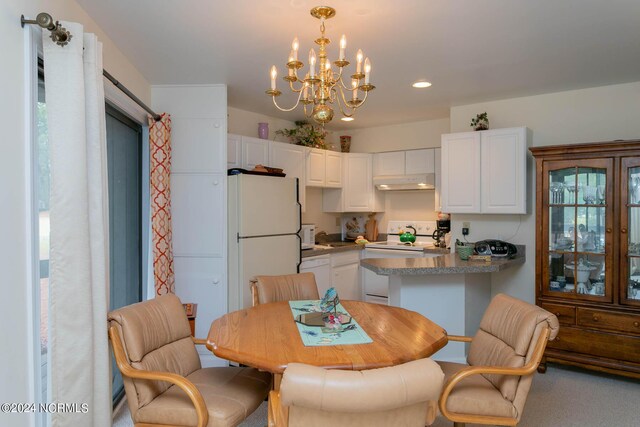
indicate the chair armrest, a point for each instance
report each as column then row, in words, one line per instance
column 187, row 386
column 255, row 298
column 277, row 415
column 476, row 370
column 459, row 338
column 199, row 341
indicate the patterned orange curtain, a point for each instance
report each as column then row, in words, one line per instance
column 160, row 158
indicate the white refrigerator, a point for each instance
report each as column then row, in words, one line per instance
column 264, row 221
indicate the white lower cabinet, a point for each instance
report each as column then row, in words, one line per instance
column 345, row 274
column 320, row 266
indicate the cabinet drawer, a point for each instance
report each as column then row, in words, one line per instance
column 344, row 258
column 600, row 344
column 621, row 322
column 566, row 314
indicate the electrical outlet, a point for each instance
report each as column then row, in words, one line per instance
column 465, row 228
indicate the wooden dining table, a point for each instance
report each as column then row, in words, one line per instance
column 266, row 337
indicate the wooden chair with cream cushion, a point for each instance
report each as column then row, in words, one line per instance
column 503, row 356
column 402, row 395
column 288, row 287
column 163, row 379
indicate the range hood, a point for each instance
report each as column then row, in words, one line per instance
column 420, row 181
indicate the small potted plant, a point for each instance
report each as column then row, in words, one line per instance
column 480, row 122
column 306, row 134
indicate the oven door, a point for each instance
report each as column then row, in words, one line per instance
column 374, row 284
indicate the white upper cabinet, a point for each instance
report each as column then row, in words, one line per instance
column 324, row 168
column 484, row 172
column 407, row 162
column 290, row 158
column 255, row 151
column 438, row 183
column 333, row 177
column 419, row 161
column 357, row 193
column 246, row 152
column 390, row 163
column 234, row 151
column 316, row 167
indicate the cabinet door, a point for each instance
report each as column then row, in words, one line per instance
column 460, row 182
column 346, row 281
column 254, row 152
column 358, row 186
column 391, row 163
column 291, row 158
column 333, row 169
column 630, row 231
column 437, row 168
column 197, row 218
column 316, row 167
column 234, row 151
column 577, row 247
column 419, row 161
column 503, row 171
column 198, row 145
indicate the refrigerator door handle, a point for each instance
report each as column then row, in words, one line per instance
column 299, row 254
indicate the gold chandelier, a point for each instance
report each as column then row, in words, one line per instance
column 326, row 87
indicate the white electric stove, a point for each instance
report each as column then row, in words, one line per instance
column 375, row 287
column 424, row 236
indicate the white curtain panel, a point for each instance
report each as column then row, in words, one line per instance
column 79, row 273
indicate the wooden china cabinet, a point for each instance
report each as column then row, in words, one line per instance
column 588, row 253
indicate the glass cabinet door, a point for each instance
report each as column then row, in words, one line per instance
column 579, row 223
column 630, row 232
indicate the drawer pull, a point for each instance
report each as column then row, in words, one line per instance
column 557, row 314
column 636, row 324
column 595, row 318
column 609, row 230
column 624, row 230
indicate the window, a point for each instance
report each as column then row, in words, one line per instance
column 124, row 164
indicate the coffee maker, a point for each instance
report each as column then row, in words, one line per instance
column 443, row 226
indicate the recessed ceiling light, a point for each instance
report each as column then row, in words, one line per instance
column 347, row 119
column 421, row 84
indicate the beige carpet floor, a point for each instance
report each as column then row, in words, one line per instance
column 563, row 397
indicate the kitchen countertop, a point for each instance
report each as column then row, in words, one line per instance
column 445, row 264
column 335, row 247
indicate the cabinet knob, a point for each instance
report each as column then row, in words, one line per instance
column 216, row 281
column 609, row 230
column 636, row 324
column 216, row 182
column 624, row 230
column 557, row 314
column 217, row 125
column 595, row 318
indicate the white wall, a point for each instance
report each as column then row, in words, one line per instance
column 587, row 115
column 425, row 134
column 14, row 259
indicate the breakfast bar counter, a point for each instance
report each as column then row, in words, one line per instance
column 452, row 292
column 445, row 264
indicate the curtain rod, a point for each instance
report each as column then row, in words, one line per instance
column 61, row 37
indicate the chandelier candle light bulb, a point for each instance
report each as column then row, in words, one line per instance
column 320, row 90
column 274, row 74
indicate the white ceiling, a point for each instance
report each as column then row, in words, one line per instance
column 470, row 50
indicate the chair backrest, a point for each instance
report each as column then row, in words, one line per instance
column 508, row 333
column 288, row 287
column 156, row 336
column 397, row 395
